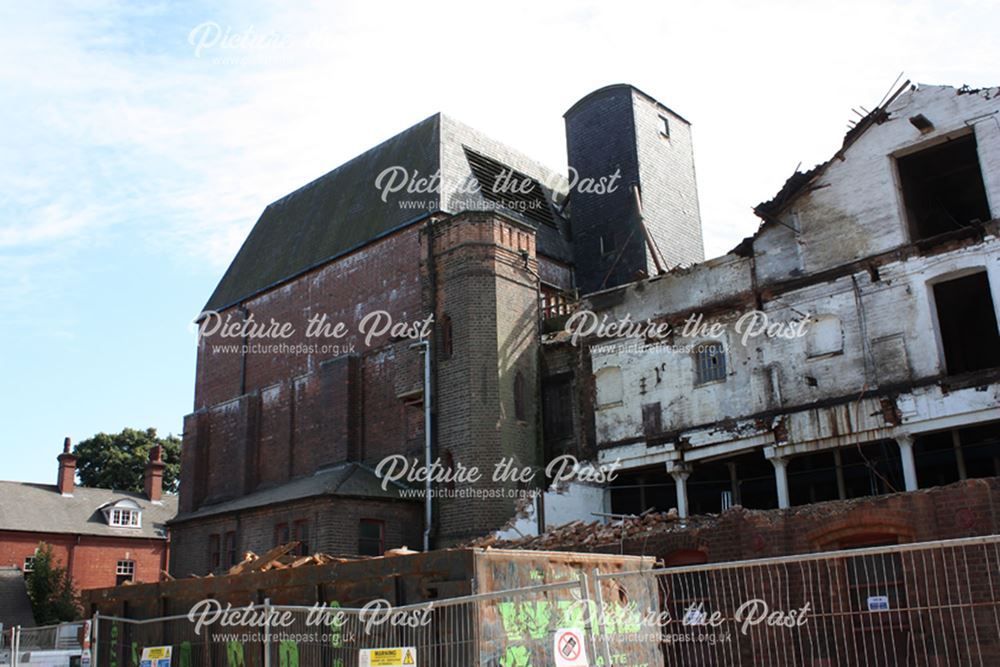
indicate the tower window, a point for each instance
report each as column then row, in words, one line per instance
column 664, row 126
column 607, row 243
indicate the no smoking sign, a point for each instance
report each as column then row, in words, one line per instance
column 569, row 649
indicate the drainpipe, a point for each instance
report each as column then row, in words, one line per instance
column 428, row 508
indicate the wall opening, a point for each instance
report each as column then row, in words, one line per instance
column 967, row 323
column 943, row 188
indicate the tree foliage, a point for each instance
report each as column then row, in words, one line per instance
column 118, row 461
column 50, row 588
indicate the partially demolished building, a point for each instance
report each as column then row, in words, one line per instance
column 848, row 349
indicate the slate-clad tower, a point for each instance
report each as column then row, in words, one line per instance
column 621, row 130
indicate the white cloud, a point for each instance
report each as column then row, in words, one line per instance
column 125, row 128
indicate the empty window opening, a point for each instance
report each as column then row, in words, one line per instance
column 710, row 363
column 967, row 323
column 557, row 411
column 943, row 188
column 371, row 537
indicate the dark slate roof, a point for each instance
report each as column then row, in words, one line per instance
column 41, row 508
column 348, row 480
column 15, row 607
column 343, row 210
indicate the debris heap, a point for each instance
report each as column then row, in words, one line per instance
column 580, row 534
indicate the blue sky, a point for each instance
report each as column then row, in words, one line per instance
column 139, row 145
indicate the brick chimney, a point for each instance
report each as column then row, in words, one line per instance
column 67, row 470
column 153, row 478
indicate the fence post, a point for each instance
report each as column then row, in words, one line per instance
column 15, row 640
column 599, row 600
column 96, row 638
column 267, row 632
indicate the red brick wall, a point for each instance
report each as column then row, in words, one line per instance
column 333, row 528
column 958, row 510
column 90, row 559
column 309, row 409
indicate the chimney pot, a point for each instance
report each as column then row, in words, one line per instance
column 153, row 476
column 66, row 481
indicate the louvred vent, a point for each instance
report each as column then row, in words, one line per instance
column 509, row 188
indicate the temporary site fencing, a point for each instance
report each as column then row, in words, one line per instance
column 929, row 603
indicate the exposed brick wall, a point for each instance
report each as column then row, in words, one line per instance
column 91, row 560
column 958, row 510
column 332, row 522
column 486, row 271
column 301, row 411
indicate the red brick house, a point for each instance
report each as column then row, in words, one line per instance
column 103, row 537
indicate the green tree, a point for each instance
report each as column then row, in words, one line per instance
column 50, row 588
column 118, row 460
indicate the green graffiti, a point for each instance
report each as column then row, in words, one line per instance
column 525, row 619
column 234, row 654
column 336, row 633
column 288, row 654
column 516, row 656
column 571, row 613
column 185, row 655
column 113, row 662
column 135, row 654
column 336, row 627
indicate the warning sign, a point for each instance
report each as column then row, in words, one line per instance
column 404, row 656
column 569, row 649
column 155, row 656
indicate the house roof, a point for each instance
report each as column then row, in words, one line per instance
column 348, row 480
column 15, row 607
column 40, row 508
column 343, row 210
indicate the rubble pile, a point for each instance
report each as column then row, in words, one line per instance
column 580, row 534
column 284, row 557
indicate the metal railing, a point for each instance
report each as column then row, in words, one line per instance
column 20, row 645
column 513, row 628
column 929, row 603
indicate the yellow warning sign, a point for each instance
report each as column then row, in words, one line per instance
column 403, row 656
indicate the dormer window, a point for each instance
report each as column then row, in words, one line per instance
column 123, row 514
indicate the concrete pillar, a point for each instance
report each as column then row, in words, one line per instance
column 680, row 473
column 905, row 443
column 781, row 480
column 734, row 482
column 956, row 443
column 839, row 467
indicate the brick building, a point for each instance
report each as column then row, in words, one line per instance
column 425, row 224
column 102, row 537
